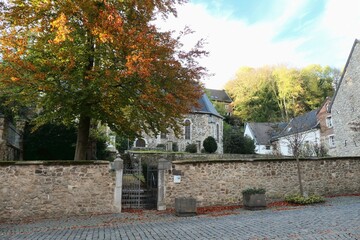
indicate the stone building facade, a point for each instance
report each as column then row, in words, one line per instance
column 345, row 108
column 11, row 139
column 198, row 125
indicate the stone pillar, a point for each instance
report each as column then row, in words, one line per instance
column 119, row 167
column 163, row 165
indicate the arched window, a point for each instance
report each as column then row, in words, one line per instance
column 217, row 132
column 187, row 129
column 140, row 143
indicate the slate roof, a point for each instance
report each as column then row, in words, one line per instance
column 299, row 124
column 206, row 107
column 218, row 95
column 263, row 132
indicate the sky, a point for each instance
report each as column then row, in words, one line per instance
column 256, row 33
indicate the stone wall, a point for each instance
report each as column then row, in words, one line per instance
column 51, row 189
column 220, row 182
column 345, row 108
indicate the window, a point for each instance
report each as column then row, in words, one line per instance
column 289, row 150
column 210, row 119
column 217, row 132
column 267, row 147
column 187, row 129
column 140, row 143
column 329, row 122
column 163, row 135
column 332, row 141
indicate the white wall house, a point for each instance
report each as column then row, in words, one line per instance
column 308, row 141
column 301, row 132
column 281, row 138
column 262, row 134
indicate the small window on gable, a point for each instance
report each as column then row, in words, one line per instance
column 267, row 147
column 329, row 122
column 187, row 129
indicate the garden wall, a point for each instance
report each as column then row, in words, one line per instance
column 220, row 182
column 51, row 189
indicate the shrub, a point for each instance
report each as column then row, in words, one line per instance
column 298, row 199
column 127, row 160
column 253, row 191
column 123, row 143
column 210, row 144
column 235, row 142
column 162, row 146
column 191, row 148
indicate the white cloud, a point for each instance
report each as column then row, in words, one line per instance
column 232, row 43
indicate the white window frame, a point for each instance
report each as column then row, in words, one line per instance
column 329, row 122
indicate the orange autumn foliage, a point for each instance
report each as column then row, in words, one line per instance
column 98, row 59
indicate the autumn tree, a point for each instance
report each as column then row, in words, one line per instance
column 78, row 61
column 250, row 91
column 317, row 82
column 279, row 93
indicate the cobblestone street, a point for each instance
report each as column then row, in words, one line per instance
column 338, row 218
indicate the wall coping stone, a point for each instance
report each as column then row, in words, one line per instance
column 187, row 161
column 55, row 162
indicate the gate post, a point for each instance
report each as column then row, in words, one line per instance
column 119, row 167
column 163, row 165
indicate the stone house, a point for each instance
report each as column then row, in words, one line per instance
column 345, row 108
column 221, row 100
column 326, row 126
column 198, row 125
column 262, row 133
column 11, row 139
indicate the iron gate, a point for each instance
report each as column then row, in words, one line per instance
column 139, row 188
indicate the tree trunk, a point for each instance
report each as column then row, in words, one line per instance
column 82, row 138
column 299, row 176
